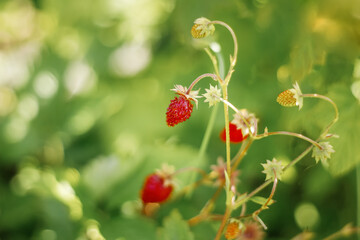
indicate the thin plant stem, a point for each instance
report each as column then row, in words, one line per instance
column 216, row 217
column 334, row 106
column 233, row 59
column 227, row 131
column 298, row 158
column 270, row 197
column 258, row 219
column 206, row 209
column 207, row 135
column 346, row 231
column 211, row 122
column 211, row 75
column 289, row 134
column 267, row 182
column 191, row 186
column 258, row 189
column 223, row 223
column 213, row 60
column 242, row 152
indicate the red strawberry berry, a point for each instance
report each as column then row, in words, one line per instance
column 154, row 189
column 179, row 110
column 236, row 135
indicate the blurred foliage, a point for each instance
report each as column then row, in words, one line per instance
column 84, row 86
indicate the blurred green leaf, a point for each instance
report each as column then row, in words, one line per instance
column 347, row 151
column 301, row 59
column 261, row 200
column 175, row 228
column 129, row 228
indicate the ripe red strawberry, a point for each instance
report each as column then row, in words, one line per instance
column 154, row 189
column 236, row 135
column 179, row 110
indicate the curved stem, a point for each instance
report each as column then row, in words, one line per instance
column 290, row 134
column 269, row 198
column 334, row 106
column 211, row 75
column 234, row 58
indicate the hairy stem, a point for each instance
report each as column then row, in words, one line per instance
column 211, row 75
column 290, row 134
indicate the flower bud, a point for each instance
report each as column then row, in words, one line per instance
column 232, row 230
column 202, row 28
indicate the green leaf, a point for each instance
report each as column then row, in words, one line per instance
column 139, row 228
column 347, row 151
column 175, row 228
column 261, row 200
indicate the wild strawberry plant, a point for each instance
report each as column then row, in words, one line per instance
column 242, row 127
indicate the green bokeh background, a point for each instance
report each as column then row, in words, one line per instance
column 84, row 87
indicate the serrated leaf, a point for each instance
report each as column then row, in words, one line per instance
column 261, row 200
column 175, row 228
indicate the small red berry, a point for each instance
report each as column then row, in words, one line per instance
column 236, row 135
column 179, row 110
column 154, row 189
